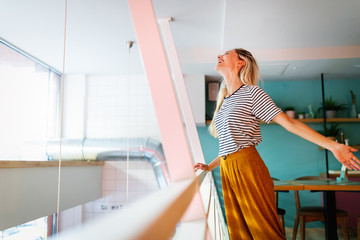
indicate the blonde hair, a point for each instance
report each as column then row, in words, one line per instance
column 249, row 74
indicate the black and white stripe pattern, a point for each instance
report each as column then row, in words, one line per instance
column 238, row 120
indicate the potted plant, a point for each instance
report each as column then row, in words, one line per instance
column 332, row 132
column 331, row 107
column 290, row 111
column 301, row 115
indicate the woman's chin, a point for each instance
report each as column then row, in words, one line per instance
column 218, row 69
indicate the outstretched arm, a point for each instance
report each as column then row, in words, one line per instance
column 214, row 164
column 343, row 153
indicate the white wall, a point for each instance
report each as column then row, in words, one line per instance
column 74, row 106
column 108, row 106
column 195, row 86
column 115, row 106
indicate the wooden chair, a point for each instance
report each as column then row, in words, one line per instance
column 280, row 211
column 314, row 213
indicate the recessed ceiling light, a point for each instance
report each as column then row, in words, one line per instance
column 294, row 68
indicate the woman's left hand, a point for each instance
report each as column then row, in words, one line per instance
column 345, row 155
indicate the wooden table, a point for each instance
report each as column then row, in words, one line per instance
column 336, row 173
column 316, row 185
column 328, row 187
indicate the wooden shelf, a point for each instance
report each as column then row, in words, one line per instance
column 332, row 120
column 317, row 120
column 329, row 120
column 37, row 164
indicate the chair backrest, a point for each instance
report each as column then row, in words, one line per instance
column 276, row 194
column 310, row 178
column 296, row 192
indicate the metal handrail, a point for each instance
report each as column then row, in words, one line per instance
column 22, row 52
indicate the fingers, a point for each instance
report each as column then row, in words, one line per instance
column 353, row 166
column 348, row 165
column 353, row 149
column 353, row 163
column 196, row 166
column 201, row 166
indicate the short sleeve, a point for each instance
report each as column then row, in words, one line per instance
column 263, row 107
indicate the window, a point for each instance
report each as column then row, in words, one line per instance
column 29, row 100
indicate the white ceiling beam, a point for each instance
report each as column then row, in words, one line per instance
column 291, row 54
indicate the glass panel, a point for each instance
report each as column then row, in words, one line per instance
column 28, row 99
column 108, row 117
column 29, row 108
column 29, row 116
column 34, row 230
column 112, row 121
column 103, row 115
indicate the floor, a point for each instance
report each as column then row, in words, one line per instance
column 319, row 234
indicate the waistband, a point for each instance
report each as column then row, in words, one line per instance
column 239, row 153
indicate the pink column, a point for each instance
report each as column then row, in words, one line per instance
column 175, row 144
column 172, row 130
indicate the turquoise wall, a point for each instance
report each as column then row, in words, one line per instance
column 287, row 155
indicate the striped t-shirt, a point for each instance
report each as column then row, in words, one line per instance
column 238, row 120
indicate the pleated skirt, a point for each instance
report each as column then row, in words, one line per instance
column 249, row 197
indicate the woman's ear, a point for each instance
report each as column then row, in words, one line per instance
column 240, row 64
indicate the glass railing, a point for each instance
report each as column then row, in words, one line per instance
column 87, row 144
column 161, row 215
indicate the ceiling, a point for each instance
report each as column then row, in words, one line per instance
column 292, row 40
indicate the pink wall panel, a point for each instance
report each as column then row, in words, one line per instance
column 172, row 131
column 174, row 140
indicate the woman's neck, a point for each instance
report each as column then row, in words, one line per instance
column 232, row 85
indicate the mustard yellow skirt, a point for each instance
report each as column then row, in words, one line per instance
column 249, row 197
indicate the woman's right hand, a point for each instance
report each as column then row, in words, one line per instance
column 201, row 166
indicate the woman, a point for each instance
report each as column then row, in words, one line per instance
column 247, row 186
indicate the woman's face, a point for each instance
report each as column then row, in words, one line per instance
column 229, row 62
